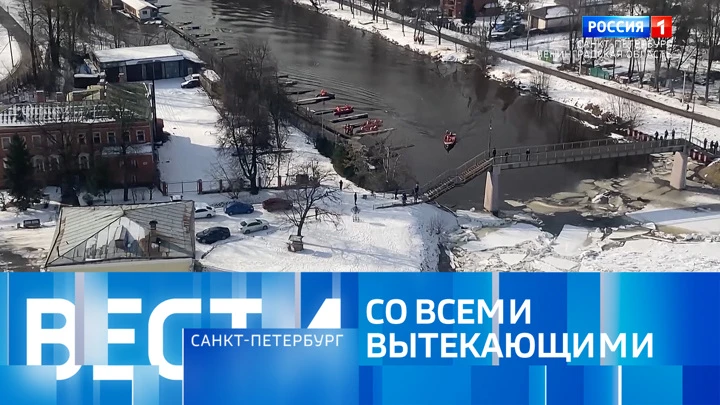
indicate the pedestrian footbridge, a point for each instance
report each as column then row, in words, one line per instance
column 493, row 162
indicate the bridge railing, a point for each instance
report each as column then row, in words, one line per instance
column 452, row 173
column 538, row 154
column 534, row 152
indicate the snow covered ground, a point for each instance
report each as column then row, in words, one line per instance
column 524, row 247
column 563, row 91
column 394, row 239
column 191, row 119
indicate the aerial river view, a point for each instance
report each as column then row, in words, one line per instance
column 410, row 92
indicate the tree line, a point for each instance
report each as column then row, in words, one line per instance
column 61, row 32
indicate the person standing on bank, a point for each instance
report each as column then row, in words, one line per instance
column 355, row 196
column 341, row 184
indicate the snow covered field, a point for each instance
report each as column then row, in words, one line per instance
column 563, row 91
column 190, row 117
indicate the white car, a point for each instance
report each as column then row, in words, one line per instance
column 204, row 211
column 253, row 226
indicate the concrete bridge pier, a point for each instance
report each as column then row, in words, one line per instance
column 678, row 180
column 492, row 190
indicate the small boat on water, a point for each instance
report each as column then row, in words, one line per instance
column 343, row 110
column 369, row 127
column 449, row 140
column 324, row 93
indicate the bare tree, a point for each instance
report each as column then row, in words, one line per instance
column 311, row 193
column 623, row 111
column 280, row 108
column 127, row 107
column 316, row 4
column 386, row 157
column 483, row 57
column 61, row 127
column 712, row 27
column 244, row 113
column 438, row 22
column 228, row 172
column 405, row 9
column 29, row 14
column 540, row 83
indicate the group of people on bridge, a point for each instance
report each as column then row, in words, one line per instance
column 711, row 146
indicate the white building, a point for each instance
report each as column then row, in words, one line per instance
column 140, row 10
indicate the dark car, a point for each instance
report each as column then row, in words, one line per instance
column 277, row 204
column 236, row 208
column 190, row 84
column 212, row 235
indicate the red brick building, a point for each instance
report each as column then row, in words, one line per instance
column 483, row 8
column 84, row 132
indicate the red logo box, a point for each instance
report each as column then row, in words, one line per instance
column 661, row 27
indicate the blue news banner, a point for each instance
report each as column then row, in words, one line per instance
column 270, row 338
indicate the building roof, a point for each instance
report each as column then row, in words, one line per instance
column 122, row 232
column 552, row 12
column 138, row 4
column 122, row 101
column 141, row 54
column 26, row 114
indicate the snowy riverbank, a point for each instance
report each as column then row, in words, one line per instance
column 560, row 90
column 407, row 239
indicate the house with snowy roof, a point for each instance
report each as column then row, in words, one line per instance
column 124, row 238
column 145, row 63
column 551, row 18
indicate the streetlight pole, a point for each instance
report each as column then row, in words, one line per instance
column 490, row 134
column 692, row 119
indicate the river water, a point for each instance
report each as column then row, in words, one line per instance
column 418, row 97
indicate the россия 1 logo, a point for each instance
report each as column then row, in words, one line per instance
column 627, row 26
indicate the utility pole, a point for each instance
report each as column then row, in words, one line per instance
column 490, row 134
column 692, row 119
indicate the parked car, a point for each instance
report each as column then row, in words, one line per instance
column 277, row 204
column 192, row 76
column 500, row 33
column 190, row 84
column 212, row 235
column 236, row 208
column 253, row 226
column 204, row 211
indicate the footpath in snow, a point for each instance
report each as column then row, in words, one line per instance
column 564, row 91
